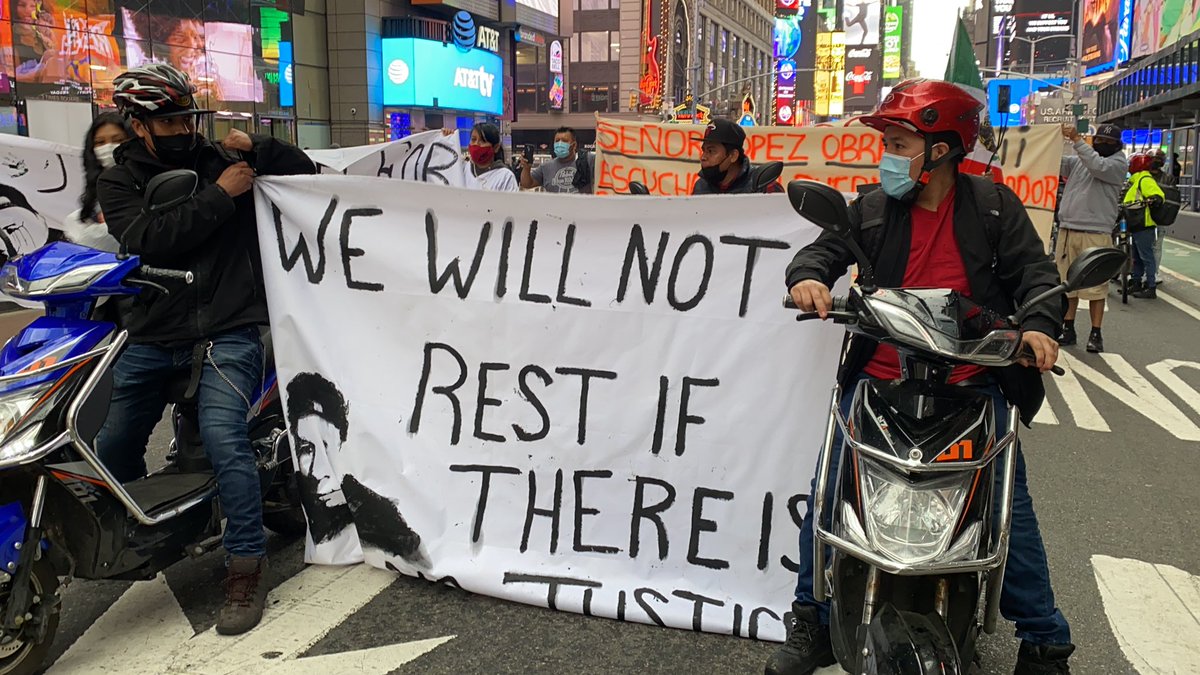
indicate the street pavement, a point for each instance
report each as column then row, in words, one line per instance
column 1112, row 471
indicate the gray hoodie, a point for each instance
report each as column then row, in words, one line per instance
column 1092, row 196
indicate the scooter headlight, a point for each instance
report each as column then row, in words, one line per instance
column 911, row 522
column 21, row 416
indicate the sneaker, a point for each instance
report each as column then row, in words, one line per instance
column 1095, row 343
column 245, row 595
column 1135, row 285
column 1068, row 337
column 1148, row 293
column 1043, row 659
column 807, row 648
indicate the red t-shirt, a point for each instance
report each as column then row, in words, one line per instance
column 934, row 261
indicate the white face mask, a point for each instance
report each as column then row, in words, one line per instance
column 104, row 155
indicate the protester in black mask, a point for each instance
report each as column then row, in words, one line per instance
column 1095, row 178
column 216, row 319
column 724, row 167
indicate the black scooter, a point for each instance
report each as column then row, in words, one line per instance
column 919, row 541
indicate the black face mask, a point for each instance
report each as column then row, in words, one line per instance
column 179, row 150
column 1106, row 149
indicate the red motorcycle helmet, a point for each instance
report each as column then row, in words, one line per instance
column 1142, row 161
column 928, row 107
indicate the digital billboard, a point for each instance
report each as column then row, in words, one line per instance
column 893, row 33
column 217, row 55
column 431, row 74
column 1049, row 22
column 830, row 78
column 1019, row 93
column 862, row 78
column 860, row 19
column 1161, row 23
column 1107, row 34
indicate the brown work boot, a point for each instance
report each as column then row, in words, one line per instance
column 245, row 595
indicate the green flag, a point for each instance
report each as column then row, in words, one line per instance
column 962, row 69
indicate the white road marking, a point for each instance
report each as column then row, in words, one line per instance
column 1134, row 390
column 145, row 624
column 1180, row 305
column 1083, row 411
column 146, row 633
column 1179, row 276
column 1045, row 415
column 1180, row 242
column 1165, row 372
column 1154, row 612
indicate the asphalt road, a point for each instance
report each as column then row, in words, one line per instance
column 1129, row 492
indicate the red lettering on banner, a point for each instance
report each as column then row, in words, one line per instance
column 862, row 148
column 1040, row 192
column 606, row 137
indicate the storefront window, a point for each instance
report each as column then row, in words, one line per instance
column 595, row 98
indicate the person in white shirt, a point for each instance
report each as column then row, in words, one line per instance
column 487, row 160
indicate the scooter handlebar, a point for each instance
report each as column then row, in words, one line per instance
column 167, row 275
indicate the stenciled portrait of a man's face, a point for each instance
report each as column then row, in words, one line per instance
column 318, row 418
column 22, row 229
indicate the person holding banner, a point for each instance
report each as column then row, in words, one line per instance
column 487, row 160
column 209, row 328
column 724, row 167
column 1088, row 214
column 936, row 227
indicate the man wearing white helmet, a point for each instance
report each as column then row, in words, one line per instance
column 214, row 320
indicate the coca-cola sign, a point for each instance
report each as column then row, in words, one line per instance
column 862, row 78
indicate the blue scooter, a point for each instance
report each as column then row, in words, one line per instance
column 62, row 513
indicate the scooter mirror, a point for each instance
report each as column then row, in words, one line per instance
column 170, row 189
column 821, row 204
column 767, row 174
column 636, row 188
column 1094, row 267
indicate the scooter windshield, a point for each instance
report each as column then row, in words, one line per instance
column 945, row 323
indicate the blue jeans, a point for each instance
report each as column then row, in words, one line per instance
column 139, row 393
column 1144, row 262
column 1026, row 598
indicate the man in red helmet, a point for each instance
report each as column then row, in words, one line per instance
column 209, row 328
column 931, row 226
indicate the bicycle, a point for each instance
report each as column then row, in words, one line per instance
column 1121, row 240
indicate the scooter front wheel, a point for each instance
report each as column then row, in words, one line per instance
column 24, row 654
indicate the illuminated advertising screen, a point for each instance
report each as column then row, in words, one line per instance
column 1049, row 22
column 795, row 53
column 1020, row 91
column 217, row 55
column 830, row 80
column 433, row 74
column 1161, row 23
column 1107, row 34
column 785, row 93
column 55, row 42
column 287, row 83
column 860, row 19
column 893, row 33
column 862, row 78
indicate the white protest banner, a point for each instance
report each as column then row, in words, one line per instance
column 40, row 184
column 600, row 407
column 666, row 158
column 429, row 156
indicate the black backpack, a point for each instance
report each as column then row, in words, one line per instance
column 1165, row 214
column 583, row 172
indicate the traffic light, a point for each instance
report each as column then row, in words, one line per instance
column 657, row 101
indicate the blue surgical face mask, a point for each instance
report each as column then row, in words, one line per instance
column 562, row 149
column 894, row 174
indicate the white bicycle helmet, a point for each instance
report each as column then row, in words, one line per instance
column 155, row 90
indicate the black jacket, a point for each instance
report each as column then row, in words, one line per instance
column 743, row 184
column 211, row 235
column 1018, row 270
